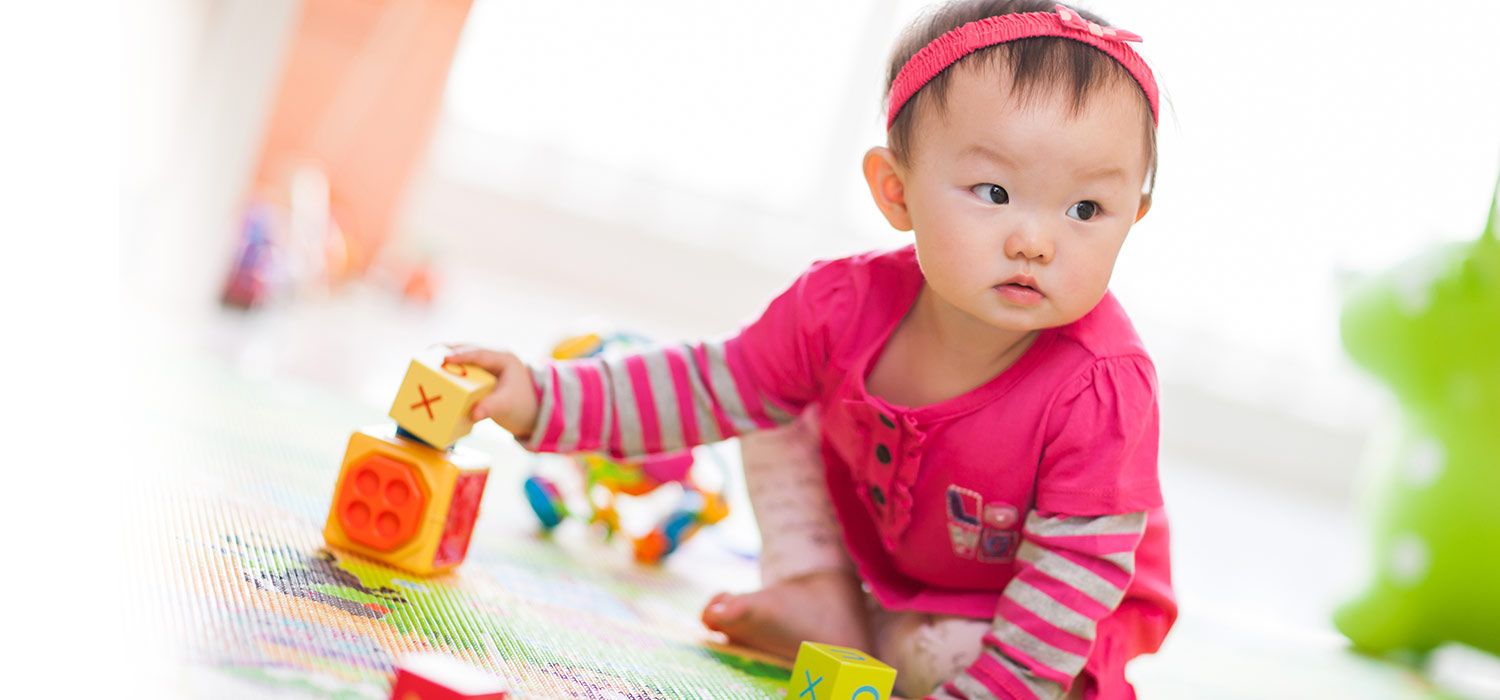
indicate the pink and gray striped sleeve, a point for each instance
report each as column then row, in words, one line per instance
column 1073, row 573
column 685, row 394
column 658, row 400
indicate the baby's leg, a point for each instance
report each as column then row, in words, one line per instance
column 927, row 650
column 809, row 589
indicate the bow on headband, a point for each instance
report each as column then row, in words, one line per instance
column 1069, row 18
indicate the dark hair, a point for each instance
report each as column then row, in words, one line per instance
column 1035, row 64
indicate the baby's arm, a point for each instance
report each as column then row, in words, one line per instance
column 680, row 395
column 658, row 400
column 675, row 396
column 1073, row 573
column 1096, row 481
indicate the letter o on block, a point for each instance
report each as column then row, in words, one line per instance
column 829, row 672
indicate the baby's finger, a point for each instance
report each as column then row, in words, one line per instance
column 479, row 412
column 492, row 361
column 493, row 405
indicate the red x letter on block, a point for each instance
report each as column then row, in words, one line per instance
column 426, row 402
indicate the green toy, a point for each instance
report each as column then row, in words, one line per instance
column 1431, row 330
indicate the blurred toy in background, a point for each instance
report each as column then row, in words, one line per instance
column 299, row 249
column 350, row 117
column 250, row 281
column 418, row 284
column 605, row 479
column 1431, row 331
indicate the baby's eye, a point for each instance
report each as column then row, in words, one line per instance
column 993, row 194
column 1083, row 211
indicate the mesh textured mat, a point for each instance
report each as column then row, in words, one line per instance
column 236, row 573
column 257, row 603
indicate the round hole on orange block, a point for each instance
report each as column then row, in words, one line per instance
column 396, row 493
column 387, row 524
column 367, row 482
column 358, row 514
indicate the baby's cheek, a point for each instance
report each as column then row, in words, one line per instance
column 1081, row 288
column 945, row 255
column 1092, row 264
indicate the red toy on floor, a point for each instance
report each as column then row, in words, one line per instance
column 437, row 677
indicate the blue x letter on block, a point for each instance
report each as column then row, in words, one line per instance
column 810, row 685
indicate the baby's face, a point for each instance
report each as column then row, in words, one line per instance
column 999, row 190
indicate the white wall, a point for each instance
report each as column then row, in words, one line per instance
column 198, row 78
column 717, row 147
column 1297, row 148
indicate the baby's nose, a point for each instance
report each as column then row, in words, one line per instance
column 1029, row 242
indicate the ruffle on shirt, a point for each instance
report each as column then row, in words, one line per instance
column 885, row 488
column 829, row 295
column 1102, row 437
column 781, row 357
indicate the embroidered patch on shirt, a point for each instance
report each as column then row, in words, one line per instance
column 979, row 530
column 964, row 538
column 1000, row 515
column 997, row 546
column 963, row 505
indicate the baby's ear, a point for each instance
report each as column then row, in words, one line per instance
column 884, row 176
column 1145, row 206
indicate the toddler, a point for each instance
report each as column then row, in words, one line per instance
column 966, row 483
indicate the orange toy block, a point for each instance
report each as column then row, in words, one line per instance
column 435, row 398
column 429, row 676
column 404, row 503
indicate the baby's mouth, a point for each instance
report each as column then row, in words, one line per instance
column 1020, row 283
column 1021, row 290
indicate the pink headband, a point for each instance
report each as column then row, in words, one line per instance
column 1066, row 23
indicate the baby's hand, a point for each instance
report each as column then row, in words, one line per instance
column 512, row 403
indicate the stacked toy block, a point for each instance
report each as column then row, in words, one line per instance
column 406, row 495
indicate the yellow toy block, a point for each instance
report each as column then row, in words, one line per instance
column 404, row 503
column 435, row 398
column 828, row 672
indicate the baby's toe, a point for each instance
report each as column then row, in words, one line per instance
column 723, row 610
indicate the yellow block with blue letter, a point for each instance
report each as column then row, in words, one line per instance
column 828, row 672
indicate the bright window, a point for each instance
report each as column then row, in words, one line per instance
column 1297, row 143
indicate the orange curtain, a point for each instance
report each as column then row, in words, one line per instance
column 359, row 94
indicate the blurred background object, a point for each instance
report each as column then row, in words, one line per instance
column 359, row 91
column 376, row 176
column 1430, row 330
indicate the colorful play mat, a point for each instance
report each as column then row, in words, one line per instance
column 240, row 581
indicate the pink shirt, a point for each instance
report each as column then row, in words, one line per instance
column 1040, row 476
column 931, row 498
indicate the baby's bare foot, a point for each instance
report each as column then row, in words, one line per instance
column 825, row 607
